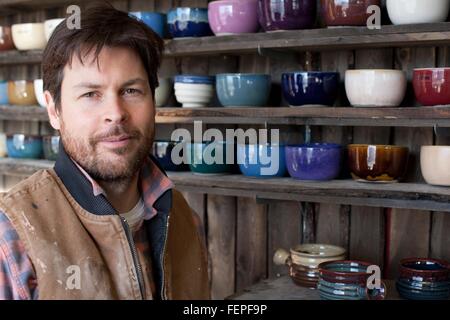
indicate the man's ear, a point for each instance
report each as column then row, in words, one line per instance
column 51, row 110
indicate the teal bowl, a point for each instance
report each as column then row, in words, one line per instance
column 23, row 146
column 243, row 89
column 209, row 158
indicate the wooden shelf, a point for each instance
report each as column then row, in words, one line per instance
column 8, row 7
column 299, row 40
column 438, row 116
column 396, row 195
column 284, row 289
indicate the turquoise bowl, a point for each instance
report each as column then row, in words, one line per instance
column 24, row 146
column 204, row 160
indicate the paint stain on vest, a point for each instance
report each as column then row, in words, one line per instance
column 34, row 205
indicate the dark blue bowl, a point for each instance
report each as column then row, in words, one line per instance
column 310, row 88
column 192, row 79
column 315, row 161
column 253, row 162
column 419, row 290
column 189, row 22
column 24, row 147
column 162, row 151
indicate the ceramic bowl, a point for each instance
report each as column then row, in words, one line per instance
column 346, row 12
column 156, row 21
column 261, row 161
column 188, row 22
column 209, row 158
column 4, row 93
column 347, row 280
column 194, row 91
column 375, row 88
column 377, row 163
column 3, row 148
column 29, row 36
column 162, row 151
column 424, row 279
column 21, row 93
column 314, row 161
column 310, row 88
column 6, row 41
column 39, row 92
column 51, row 147
column 233, row 16
column 50, row 26
column 243, row 89
column 432, row 86
column 435, row 165
column 417, row 11
column 286, row 14
column 163, row 92
column 24, row 146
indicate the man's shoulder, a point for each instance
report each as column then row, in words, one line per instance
column 31, row 183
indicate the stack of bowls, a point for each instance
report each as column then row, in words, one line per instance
column 347, row 280
column 21, row 93
column 277, row 15
column 209, row 157
column 346, row 13
column 417, row 11
column 154, row 20
column 50, row 26
column 243, row 89
column 314, row 161
column 194, row 91
column 188, row 22
column 261, row 161
column 435, row 165
column 375, row 88
column 162, row 151
column 4, row 93
column 29, row 36
column 24, row 146
column 310, row 88
column 228, row 17
column 304, row 260
column 51, row 147
column 6, row 41
column 163, row 92
column 377, row 163
column 424, row 279
column 432, row 86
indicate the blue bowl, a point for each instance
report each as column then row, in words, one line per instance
column 4, row 92
column 162, row 151
column 419, row 290
column 188, row 22
column 261, row 161
column 315, row 161
column 195, row 79
column 310, row 88
column 24, row 147
column 156, row 21
column 240, row 89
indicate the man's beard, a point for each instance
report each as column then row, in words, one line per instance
column 96, row 162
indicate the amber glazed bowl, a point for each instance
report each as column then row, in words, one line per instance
column 377, row 163
column 21, row 93
column 346, row 12
column 6, row 41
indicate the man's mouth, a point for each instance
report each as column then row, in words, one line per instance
column 116, row 141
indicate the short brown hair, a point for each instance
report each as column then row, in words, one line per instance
column 101, row 25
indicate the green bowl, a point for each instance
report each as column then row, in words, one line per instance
column 203, row 158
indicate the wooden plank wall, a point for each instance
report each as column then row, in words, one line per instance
column 242, row 233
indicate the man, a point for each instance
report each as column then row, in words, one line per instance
column 105, row 223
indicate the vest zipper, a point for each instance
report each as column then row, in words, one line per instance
column 134, row 254
column 163, row 254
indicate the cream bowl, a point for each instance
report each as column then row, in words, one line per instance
column 29, row 36
column 194, row 95
column 417, row 11
column 375, row 87
column 435, row 165
column 162, row 93
column 39, row 92
column 50, row 26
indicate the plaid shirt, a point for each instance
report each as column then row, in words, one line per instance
column 17, row 276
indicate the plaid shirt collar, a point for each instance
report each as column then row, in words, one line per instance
column 154, row 183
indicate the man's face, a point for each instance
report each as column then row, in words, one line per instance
column 107, row 114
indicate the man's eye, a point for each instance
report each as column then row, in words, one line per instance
column 132, row 91
column 89, row 95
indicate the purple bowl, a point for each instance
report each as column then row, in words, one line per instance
column 314, row 161
column 233, row 16
column 286, row 14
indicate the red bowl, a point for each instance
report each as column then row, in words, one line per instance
column 432, row 86
column 6, row 42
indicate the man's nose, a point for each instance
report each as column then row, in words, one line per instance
column 115, row 109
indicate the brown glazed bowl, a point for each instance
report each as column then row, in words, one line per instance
column 346, row 12
column 377, row 163
column 6, row 42
column 21, row 93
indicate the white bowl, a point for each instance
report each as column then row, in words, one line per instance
column 39, row 92
column 417, row 11
column 192, row 95
column 162, row 93
column 50, row 25
column 375, row 88
column 29, row 36
column 435, row 165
